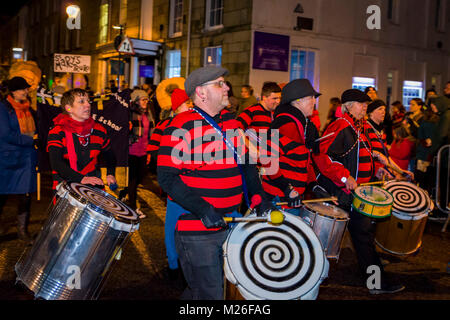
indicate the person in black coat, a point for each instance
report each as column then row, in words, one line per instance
column 18, row 155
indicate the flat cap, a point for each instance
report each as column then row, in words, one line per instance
column 296, row 89
column 354, row 95
column 201, row 76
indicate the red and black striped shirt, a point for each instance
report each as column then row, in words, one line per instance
column 155, row 138
column 294, row 156
column 86, row 156
column 255, row 117
column 192, row 149
column 342, row 149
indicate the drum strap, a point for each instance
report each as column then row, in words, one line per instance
column 230, row 145
column 73, row 156
column 71, row 150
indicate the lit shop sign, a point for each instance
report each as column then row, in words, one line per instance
column 17, row 53
column 411, row 90
column 362, row 83
column 74, row 19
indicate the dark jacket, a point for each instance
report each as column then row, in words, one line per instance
column 18, row 157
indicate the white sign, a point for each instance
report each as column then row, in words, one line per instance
column 126, row 46
column 73, row 63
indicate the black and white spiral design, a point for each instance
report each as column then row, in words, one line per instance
column 408, row 198
column 104, row 201
column 275, row 262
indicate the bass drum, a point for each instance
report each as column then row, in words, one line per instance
column 74, row 252
column 274, row 262
column 402, row 233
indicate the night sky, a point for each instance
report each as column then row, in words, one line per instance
column 10, row 8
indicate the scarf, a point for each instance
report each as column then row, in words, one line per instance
column 358, row 124
column 24, row 116
column 82, row 129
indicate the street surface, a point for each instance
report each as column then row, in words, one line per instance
column 141, row 272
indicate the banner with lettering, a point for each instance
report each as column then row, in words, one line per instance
column 74, row 63
column 109, row 110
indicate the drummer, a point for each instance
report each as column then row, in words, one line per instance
column 75, row 142
column 352, row 164
column 297, row 136
column 203, row 188
column 373, row 129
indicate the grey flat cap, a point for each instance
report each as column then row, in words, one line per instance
column 201, row 76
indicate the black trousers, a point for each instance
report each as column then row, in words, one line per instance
column 361, row 229
column 23, row 202
column 137, row 170
column 362, row 232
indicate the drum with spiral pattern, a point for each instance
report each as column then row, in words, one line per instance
column 274, row 262
column 401, row 234
column 83, row 236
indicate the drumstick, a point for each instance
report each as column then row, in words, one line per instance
column 275, row 217
column 310, row 201
column 324, row 137
column 371, row 183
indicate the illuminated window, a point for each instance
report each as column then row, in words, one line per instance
column 213, row 56
column 173, row 63
column 214, row 14
column 176, row 18
column 411, row 89
column 103, row 23
column 302, row 65
column 362, row 83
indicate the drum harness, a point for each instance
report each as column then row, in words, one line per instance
column 358, row 140
column 228, row 143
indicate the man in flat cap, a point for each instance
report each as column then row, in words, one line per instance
column 205, row 176
column 352, row 163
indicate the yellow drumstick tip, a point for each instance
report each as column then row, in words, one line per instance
column 276, row 217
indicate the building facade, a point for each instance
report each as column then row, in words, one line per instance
column 41, row 32
column 401, row 47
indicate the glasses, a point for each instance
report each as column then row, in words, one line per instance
column 219, row 83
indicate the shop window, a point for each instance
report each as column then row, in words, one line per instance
column 173, row 63
column 213, row 56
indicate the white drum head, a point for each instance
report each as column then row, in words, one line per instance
column 409, row 199
column 102, row 201
column 282, row 262
column 326, row 209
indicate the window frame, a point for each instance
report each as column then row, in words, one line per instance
column 205, row 56
column 173, row 20
column 208, row 26
column 168, row 68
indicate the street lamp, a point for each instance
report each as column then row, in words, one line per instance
column 74, row 17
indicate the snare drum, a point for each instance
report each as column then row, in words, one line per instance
column 401, row 234
column 372, row 201
column 73, row 254
column 274, row 262
column 329, row 223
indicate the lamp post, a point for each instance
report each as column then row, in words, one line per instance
column 74, row 17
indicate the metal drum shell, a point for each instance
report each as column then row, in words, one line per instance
column 329, row 229
column 77, row 236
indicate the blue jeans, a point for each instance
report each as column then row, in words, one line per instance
column 201, row 259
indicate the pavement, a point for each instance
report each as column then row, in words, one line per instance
column 141, row 273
